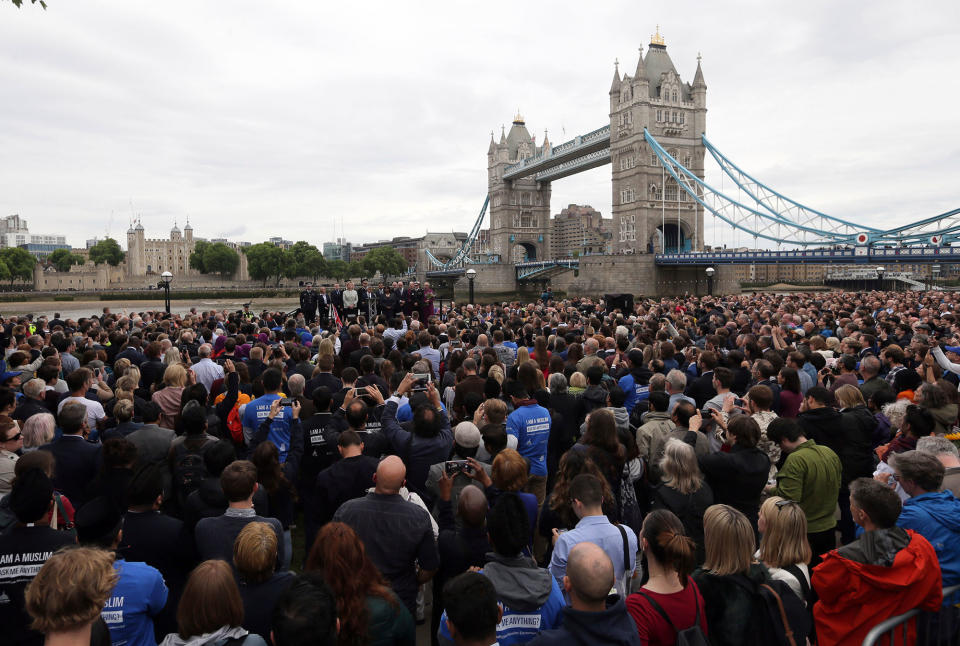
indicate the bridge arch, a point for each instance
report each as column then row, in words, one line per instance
column 524, row 252
column 671, row 237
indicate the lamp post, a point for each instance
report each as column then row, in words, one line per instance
column 880, row 271
column 164, row 284
column 471, row 275
column 935, row 275
column 710, row 271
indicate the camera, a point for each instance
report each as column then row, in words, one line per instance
column 421, row 381
column 453, row 467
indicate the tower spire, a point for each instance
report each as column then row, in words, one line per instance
column 641, row 68
column 615, row 86
column 698, row 81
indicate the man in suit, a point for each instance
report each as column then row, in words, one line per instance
column 77, row 459
column 152, row 441
column 323, row 307
column 701, row 389
column 336, row 298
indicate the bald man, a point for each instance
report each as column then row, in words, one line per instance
column 592, row 617
column 396, row 534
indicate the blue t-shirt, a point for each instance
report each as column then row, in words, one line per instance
column 531, row 426
column 518, row 627
column 634, row 390
column 257, row 411
column 139, row 595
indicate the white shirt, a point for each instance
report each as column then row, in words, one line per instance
column 94, row 409
column 207, row 372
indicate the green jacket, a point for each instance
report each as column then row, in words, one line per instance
column 811, row 476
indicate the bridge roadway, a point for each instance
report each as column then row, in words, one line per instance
column 855, row 255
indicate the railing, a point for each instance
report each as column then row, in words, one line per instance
column 847, row 255
column 590, row 139
column 946, row 625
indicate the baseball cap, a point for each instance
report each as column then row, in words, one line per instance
column 467, row 435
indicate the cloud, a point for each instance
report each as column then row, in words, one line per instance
column 261, row 119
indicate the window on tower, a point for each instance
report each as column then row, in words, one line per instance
column 659, row 116
column 674, row 95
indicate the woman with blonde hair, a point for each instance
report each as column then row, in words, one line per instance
column 255, row 559
column 168, row 397
column 67, row 595
column 784, row 548
column 578, row 383
column 728, row 576
column 171, row 357
column 683, row 491
column 854, row 447
column 38, row 430
column 210, row 612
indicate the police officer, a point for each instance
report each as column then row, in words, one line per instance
column 308, row 304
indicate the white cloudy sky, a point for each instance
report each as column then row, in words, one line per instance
column 281, row 118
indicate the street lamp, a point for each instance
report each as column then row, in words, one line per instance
column 471, row 274
column 164, row 284
column 710, row 271
column 880, row 271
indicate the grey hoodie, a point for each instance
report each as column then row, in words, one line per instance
column 521, row 585
column 217, row 637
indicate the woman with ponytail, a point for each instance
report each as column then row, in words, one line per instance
column 669, row 601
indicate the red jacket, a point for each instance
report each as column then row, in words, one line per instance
column 855, row 597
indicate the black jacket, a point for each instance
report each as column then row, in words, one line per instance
column 738, row 478
column 856, row 446
column 209, row 501
column 701, row 389
column 824, row 426
column 689, row 508
column 612, row 626
column 78, row 462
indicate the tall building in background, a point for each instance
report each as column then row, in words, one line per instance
column 14, row 232
column 339, row 250
column 579, row 231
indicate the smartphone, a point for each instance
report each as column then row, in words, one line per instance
column 739, row 402
column 421, row 380
column 286, row 401
column 453, row 467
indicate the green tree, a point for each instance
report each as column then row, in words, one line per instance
column 218, row 258
column 386, row 260
column 337, row 269
column 314, row 264
column 196, row 256
column 19, row 262
column 4, row 271
column 106, row 251
column 63, row 259
column 354, row 269
column 265, row 261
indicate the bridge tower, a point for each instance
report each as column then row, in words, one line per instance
column 519, row 209
column 650, row 211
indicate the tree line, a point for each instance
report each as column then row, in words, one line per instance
column 265, row 261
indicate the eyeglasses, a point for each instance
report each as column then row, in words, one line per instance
column 14, row 438
column 783, row 503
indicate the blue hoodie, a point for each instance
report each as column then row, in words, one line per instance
column 936, row 517
column 530, row 424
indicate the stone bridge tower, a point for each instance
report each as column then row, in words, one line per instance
column 519, row 209
column 650, row 211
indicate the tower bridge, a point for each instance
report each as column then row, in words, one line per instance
column 656, row 144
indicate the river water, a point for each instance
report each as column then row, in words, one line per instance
column 77, row 309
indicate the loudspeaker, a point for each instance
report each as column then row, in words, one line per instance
column 622, row 302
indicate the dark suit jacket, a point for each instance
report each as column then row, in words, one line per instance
column 78, row 462
column 701, row 389
column 151, row 371
column 357, row 355
column 323, row 379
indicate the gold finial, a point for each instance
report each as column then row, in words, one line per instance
column 518, row 119
column 657, row 39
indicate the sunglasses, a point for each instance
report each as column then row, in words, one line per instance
column 14, row 438
column 783, row 503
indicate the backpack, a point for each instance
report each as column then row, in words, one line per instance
column 188, row 471
column 781, row 617
column 692, row 636
column 630, row 514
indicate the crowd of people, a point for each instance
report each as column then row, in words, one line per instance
column 748, row 469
